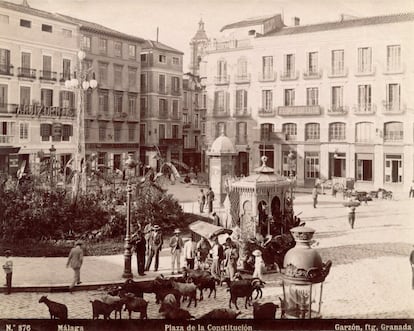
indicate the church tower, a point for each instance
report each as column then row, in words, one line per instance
column 198, row 45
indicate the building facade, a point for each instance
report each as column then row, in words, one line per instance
column 37, row 48
column 329, row 100
column 161, row 104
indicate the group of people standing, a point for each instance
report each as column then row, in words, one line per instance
column 206, row 199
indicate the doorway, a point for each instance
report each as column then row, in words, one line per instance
column 337, row 165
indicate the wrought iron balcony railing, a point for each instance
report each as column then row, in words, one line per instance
column 240, row 79
column 267, row 76
column 289, row 75
column 393, row 108
column 338, row 110
column 267, row 112
column 338, row 72
column 299, row 110
column 6, row 69
column 365, row 109
column 26, row 72
column 48, row 75
column 312, row 74
column 222, row 80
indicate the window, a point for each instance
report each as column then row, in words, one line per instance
column 185, row 100
column 118, row 74
column 288, row 165
column 312, row 64
column 26, row 61
column 392, row 102
column 162, row 59
column 161, row 84
column 312, row 96
column 24, row 130
column 46, row 97
column 132, row 105
column 25, row 95
column 364, row 164
column 337, row 131
column 289, row 65
column 102, row 132
column 289, row 97
column 65, row 69
column 312, row 131
column 131, row 132
column 220, row 101
column 220, row 128
column 87, row 130
column 364, row 98
column 102, row 159
column 118, row 100
column 47, row 67
column 337, row 98
column 86, row 43
column 176, row 60
column 266, row 130
column 267, row 67
column 175, row 84
column 46, row 28
column 222, row 69
column 103, row 101
column 144, row 57
column 241, row 101
column 337, row 64
column 143, row 107
column 67, row 99
column 88, row 101
column 290, row 130
column 161, row 131
column 3, row 97
column 103, row 46
column 175, row 109
column 67, row 33
column 267, row 100
column 103, row 72
column 143, row 82
column 312, row 165
column 364, row 132
column 4, row 19
column 5, row 61
column 175, row 131
column 241, row 133
column 132, row 77
column 25, row 23
column 364, row 60
column 393, row 131
column 67, row 132
column 117, row 48
column 45, row 131
column 196, row 121
column 393, row 169
column 142, row 133
column 117, row 132
column 393, row 58
column 163, row 108
column 132, row 51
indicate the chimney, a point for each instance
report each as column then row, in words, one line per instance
column 25, row 3
column 295, row 21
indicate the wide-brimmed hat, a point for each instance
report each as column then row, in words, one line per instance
column 257, row 253
column 79, row 242
column 7, row 251
column 177, row 231
column 156, row 227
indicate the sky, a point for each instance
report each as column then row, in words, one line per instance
column 177, row 20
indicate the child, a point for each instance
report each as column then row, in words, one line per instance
column 8, row 269
column 258, row 264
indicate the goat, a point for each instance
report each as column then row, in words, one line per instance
column 206, row 283
column 258, row 285
column 178, row 314
column 265, row 311
column 221, row 314
column 116, row 302
column 101, row 308
column 137, row 288
column 137, row 304
column 56, row 309
column 241, row 288
column 189, row 290
column 169, row 303
column 195, row 274
column 161, row 293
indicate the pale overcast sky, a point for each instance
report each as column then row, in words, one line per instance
column 178, row 19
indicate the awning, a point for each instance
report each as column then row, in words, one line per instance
column 4, row 150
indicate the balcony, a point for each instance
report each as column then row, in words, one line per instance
column 175, row 115
column 163, row 114
column 338, row 73
column 103, row 116
column 228, row 44
column 172, row 142
column 242, row 79
column 393, row 108
column 267, row 112
column 64, row 76
column 41, row 111
column 186, row 126
column 267, row 76
column 338, row 110
column 162, row 91
column 119, row 116
column 242, row 112
column 143, row 112
column 241, row 140
column 289, row 75
column 4, row 139
column 312, row 74
column 299, row 110
column 222, row 80
column 394, row 136
column 394, row 70
column 132, row 118
column 48, row 75
column 6, row 69
column 176, row 92
column 361, row 72
column 365, row 109
column 26, row 73
column 221, row 113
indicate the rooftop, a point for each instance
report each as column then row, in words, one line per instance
column 247, row 22
column 156, row 44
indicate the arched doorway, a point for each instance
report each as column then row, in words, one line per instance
column 263, row 213
column 277, row 217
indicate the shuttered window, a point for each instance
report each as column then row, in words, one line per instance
column 45, row 131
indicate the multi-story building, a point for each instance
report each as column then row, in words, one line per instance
column 112, row 109
column 161, row 103
column 334, row 95
column 37, row 49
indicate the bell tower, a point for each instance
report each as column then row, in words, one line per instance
column 198, row 45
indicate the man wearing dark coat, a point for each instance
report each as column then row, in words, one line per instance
column 139, row 244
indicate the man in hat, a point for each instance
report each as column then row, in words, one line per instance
column 75, row 260
column 217, row 254
column 155, row 245
column 412, row 267
column 8, row 270
column 231, row 255
column 190, row 252
column 147, row 234
column 258, row 264
column 176, row 245
column 139, row 244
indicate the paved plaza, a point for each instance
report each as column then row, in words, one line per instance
column 370, row 275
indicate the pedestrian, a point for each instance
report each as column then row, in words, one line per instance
column 351, row 217
column 75, row 260
column 190, row 247
column 139, row 243
column 203, row 249
column 412, row 267
column 201, row 200
column 8, row 270
column 258, row 264
column 216, row 219
column 210, row 199
column 315, row 196
column 217, row 254
column 231, row 256
column 155, row 246
column 411, row 193
column 147, row 235
column 176, row 245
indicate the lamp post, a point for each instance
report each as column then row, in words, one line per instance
column 80, row 83
column 291, row 157
column 52, row 151
column 130, row 164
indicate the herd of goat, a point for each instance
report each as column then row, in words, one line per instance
column 170, row 292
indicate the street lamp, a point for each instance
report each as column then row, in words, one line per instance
column 80, row 83
column 52, row 151
column 291, row 157
column 130, row 163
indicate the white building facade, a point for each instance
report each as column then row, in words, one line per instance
column 337, row 96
